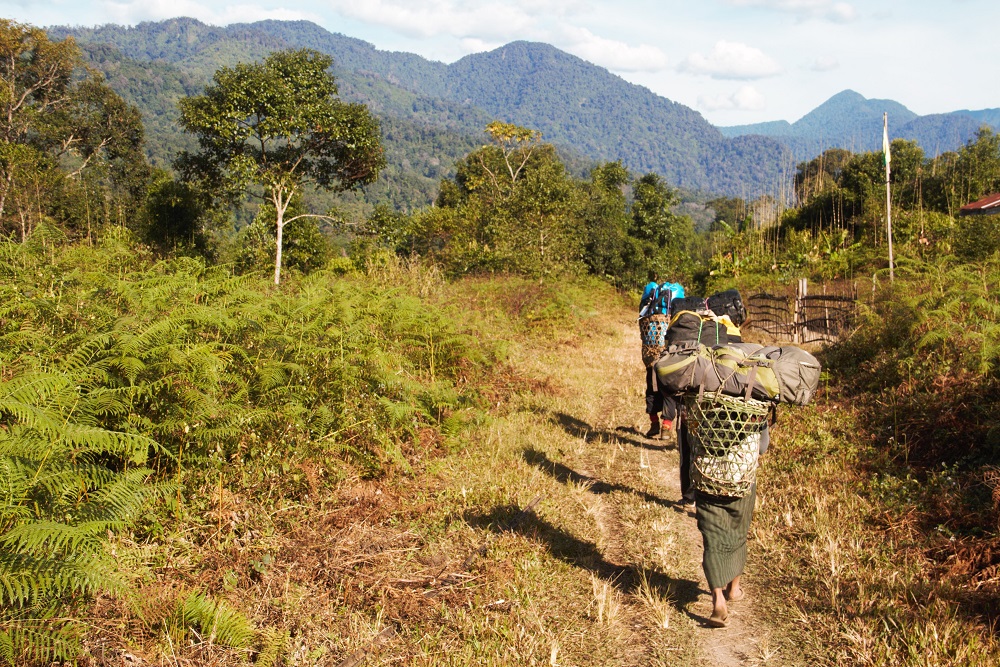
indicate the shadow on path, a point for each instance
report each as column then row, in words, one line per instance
column 621, row 434
column 564, row 473
column 580, row 553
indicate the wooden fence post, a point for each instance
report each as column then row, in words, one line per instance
column 826, row 316
column 798, row 315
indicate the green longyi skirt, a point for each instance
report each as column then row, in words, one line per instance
column 724, row 524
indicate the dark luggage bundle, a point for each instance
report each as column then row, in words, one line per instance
column 780, row 374
column 695, row 304
column 728, row 303
column 689, row 328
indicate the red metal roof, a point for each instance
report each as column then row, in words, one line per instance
column 986, row 206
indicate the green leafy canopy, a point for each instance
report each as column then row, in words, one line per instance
column 278, row 125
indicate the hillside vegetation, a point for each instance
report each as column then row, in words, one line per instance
column 424, row 442
column 576, row 105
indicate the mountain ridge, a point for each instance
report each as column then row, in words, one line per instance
column 850, row 120
column 583, row 108
column 610, row 119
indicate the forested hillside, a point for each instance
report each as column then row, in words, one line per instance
column 585, row 110
column 575, row 102
column 153, row 67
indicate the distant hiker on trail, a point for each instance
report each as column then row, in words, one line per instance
column 654, row 316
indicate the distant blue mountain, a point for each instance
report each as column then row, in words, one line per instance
column 849, row 120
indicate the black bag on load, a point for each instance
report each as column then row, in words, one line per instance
column 690, row 328
column 693, row 303
column 728, row 303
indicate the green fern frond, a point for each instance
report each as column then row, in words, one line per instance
column 39, row 641
column 217, row 621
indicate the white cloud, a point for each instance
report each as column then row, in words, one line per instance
column 481, row 26
column 825, row 64
column 135, row 11
column 613, row 54
column 747, row 98
column 431, row 18
column 476, row 45
column 731, row 60
column 841, row 12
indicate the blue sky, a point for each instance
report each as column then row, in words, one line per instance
column 735, row 61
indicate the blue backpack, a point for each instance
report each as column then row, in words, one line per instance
column 656, row 298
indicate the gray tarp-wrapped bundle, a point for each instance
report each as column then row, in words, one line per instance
column 782, row 374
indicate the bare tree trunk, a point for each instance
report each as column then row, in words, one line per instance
column 5, row 191
column 279, row 216
column 277, row 254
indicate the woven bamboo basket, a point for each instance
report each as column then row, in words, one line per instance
column 725, row 433
column 653, row 329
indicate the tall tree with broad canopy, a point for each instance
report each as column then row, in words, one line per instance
column 60, row 125
column 279, row 125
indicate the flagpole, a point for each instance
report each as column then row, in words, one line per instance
column 888, row 198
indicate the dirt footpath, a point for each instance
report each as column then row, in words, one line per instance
column 643, row 525
column 603, row 569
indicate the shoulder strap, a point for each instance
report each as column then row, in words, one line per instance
column 751, row 376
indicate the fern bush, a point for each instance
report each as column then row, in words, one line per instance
column 216, row 621
column 65, row 482
column 124, row 379
column 927, row 358
column 940, row 318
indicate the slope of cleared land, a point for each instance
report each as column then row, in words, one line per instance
column 552, row 537
column 547, row 533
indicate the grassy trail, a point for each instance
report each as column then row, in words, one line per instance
column 605, row 568
column 541, row 530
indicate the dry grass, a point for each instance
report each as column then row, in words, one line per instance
column 607, row 603
column 659, row 603
column 839, row 538
column 439, row 566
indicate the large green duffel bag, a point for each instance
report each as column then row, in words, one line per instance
column 796, row 372
column 723, row 368
column 785, row 374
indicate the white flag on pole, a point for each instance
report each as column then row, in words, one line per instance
column 885, row 139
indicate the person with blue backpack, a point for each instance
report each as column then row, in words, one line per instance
column 656, row 301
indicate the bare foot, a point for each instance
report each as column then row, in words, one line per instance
column 734, row 592
column 720, row 613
